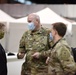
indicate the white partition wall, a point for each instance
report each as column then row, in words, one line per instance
column 14, row 65
column 16, row 31
column 68, row 38
column 73, row 36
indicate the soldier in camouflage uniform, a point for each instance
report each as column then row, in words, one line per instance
column 60, row 60
column 36, row 39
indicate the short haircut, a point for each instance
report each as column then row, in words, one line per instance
column 35, row 16
column 60, row 28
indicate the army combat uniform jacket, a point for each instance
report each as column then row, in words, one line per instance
column 34, row 42
column 61, row 60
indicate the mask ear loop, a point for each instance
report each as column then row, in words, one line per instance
column 51, row 37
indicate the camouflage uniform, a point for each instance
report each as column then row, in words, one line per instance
column 61, row 60
column 34, row 42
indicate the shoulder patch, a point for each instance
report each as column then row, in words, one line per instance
column 64, row 54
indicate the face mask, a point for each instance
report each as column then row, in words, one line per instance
column 1, row 35
column 51, row 37
column 31, row 26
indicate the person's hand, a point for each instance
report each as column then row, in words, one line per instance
column 36, row 55
column 20, row 55
column 47, row 60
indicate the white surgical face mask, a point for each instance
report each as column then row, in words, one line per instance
column 51, row 37
column 31, row 26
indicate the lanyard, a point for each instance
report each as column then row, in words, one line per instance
column 55, row 44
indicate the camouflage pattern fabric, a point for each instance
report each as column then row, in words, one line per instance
column 34, row 42
column 61, row 60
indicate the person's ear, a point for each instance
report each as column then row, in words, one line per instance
column 56, row 32
column 37, row 21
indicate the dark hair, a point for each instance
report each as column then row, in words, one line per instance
column 60, row 28
column 2, row 26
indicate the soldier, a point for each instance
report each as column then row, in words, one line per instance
column 60, row 60
column 3, row 60
column 36, row 39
